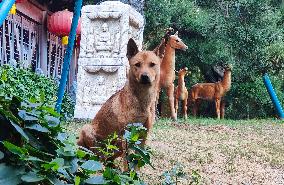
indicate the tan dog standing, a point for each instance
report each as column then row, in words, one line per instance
column 181, row 92
column 134, row 103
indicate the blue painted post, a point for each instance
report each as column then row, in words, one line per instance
column 273, row 96
column 5, row 7
column 68, row 54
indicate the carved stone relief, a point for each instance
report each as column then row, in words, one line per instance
column 102, row 65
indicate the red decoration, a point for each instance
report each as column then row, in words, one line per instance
column 20, row 1
column 78, row 39
column 60, row 22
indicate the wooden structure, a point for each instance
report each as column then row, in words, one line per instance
column 26, row 42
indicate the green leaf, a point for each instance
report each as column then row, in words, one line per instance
column 1, row 155
column 125, row 178
column 38, row 127
column 20, row 130
column 108, row 173
column 61, row 151
column 68, row 150
column 92, row 165
column 54, row 180
column 10, row 175
column 132, row 174
column 135, row 137
column 42, row 96
column 34, row 105
column 32, row 99
column 64, row 173
column 52, row 121
column 96, row 180
column 26, row 116
column 112, row 147
column 4, row 75
column 77, row 180
column 72, row 165
column 33, row 159
column 15, row 149
column 31, row 177
column 62, row 136
column 81, row 154
column 55, row 164
column 50, row 110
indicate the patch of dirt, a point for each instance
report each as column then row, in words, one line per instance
column 221, row 154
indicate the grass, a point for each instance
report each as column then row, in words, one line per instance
column 220, row 151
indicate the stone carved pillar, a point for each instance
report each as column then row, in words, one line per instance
column 102, row 64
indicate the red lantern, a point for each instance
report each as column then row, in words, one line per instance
column 60, row 22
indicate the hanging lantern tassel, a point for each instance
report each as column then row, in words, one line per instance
column 78, row 39
column 13, row 10
column 65, row 40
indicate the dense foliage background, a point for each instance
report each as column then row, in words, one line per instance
column 246, row 33
column 33, row 87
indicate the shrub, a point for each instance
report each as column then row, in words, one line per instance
column 247, row 34
column 35, row 149
column 31, row 86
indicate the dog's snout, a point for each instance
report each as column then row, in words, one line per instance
column 145, row 79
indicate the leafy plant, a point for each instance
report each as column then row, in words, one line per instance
column 195, row 178
column 173, row 176
column 31, row 86
column 137, row 155
column 35, row 147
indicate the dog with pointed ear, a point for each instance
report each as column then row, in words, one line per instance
column 132, row 49
column 134, row 103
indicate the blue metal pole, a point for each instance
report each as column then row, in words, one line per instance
column 68, row 54
column 273, row 96
column 5, row 7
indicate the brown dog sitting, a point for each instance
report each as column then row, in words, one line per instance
column 134, row 103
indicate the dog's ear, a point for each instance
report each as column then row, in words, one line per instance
column 160, row 49
column 132, row 48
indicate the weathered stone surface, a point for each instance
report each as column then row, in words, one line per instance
column 138, row 5
column 102, row 64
